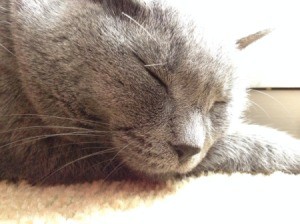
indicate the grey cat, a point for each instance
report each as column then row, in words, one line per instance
column 112, row 89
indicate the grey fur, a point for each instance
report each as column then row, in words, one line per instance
column 132, row 79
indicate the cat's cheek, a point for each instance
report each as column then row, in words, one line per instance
column 142, row 155
column 149, row 165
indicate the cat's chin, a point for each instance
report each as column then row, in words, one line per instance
column 163, row 174
column 189, row 165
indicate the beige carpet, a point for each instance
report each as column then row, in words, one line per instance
column 216, row 198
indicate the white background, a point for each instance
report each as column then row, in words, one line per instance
column 270, row 62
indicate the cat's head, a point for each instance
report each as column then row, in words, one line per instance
column 163, row 93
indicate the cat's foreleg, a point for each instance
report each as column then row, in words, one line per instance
column 253, row 148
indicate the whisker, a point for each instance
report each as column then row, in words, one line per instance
column 119, row 166
column 6, row 37
column 138, row 24
column 55, row 127
column 94, row 165
column 75, row 143
column 41, row 137
column 42, row 180
column 57, row 117
column 152, row 65
column 4, row 9
column 115, row 156
column 41, row 127
column 274, row 99
column 261, row 108
column 1, row 45
column 94, row 147
column 5, row 22
column 88, row 156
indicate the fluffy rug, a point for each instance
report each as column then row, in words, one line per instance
column 215, row 198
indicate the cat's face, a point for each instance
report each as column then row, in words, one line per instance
column 162, row 93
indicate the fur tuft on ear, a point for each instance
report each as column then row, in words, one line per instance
column 132, row 8
column 246, row 41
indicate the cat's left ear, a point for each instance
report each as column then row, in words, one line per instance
column 244, row 42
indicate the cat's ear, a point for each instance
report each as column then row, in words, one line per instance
column 244, row 42
column 129, row 7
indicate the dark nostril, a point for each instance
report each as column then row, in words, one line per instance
column 184, row 151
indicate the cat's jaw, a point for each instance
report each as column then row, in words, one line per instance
column 189, row 165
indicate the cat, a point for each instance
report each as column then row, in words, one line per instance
column 117, row 89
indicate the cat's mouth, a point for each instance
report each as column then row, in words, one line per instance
column 166, row 164
column 189, row 165
column 145, row 170
column 150, row 154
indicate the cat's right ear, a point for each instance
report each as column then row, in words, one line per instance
column 244, row 42
column 132, row 8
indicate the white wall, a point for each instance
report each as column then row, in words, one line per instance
column 270, row 62
column 274, row 60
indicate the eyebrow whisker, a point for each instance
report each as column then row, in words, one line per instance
column 138, row 24
column 153, row 65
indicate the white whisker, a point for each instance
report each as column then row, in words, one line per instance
column 56, row 117
column 114, row 170
column 5, row 22
column 273, row 98
column 4, row 9
column 41, row 137
column 57, row 127
column 74, row 143
column 138, row 24
column 115, row 156
column 260, row 107
column 76, row 160
column 153, row 65
column 1, row 45
column 42, row 127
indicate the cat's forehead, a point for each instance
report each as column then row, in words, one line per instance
column 178, row 50
column 170, row 46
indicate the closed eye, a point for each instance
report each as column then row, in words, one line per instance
column 217, row 104
column 156, row 77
